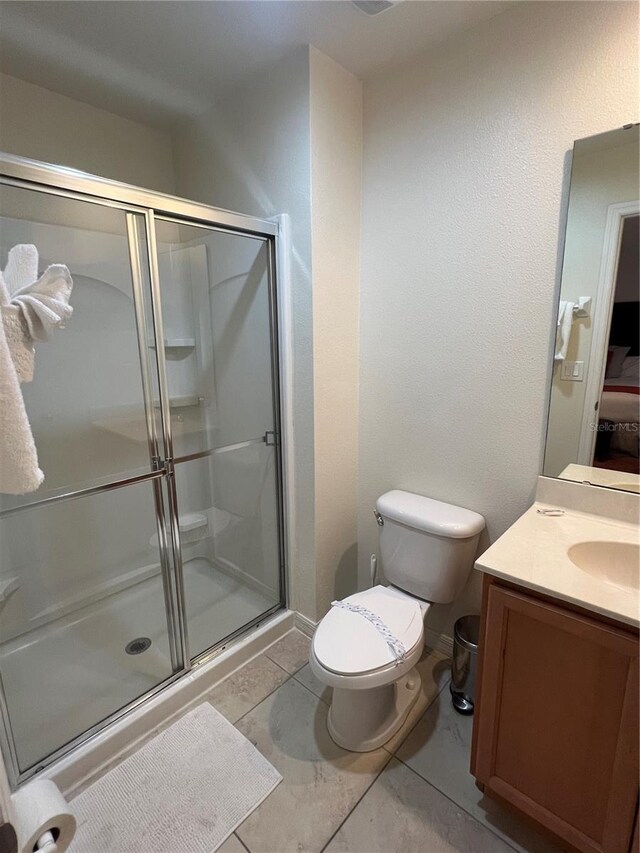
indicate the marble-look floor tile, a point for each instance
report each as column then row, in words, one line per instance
column 306, row 677
column 401, row 813
column 246, row 687
column 439, row 749
column 435, row 671
column 321, row 782
column 232, row 845
column 291, row 652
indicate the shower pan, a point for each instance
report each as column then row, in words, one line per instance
column 157, row 535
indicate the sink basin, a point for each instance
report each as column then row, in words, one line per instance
column 615, row 562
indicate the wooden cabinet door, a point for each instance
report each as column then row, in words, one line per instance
column 557, row 721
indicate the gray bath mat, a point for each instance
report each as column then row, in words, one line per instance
column 183, row 792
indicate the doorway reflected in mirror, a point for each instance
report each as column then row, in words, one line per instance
column 616, row 445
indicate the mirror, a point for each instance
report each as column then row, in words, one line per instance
column 593, row 433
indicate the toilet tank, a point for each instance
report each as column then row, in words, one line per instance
column 427, row 547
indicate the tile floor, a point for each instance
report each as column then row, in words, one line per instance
column 415, row 795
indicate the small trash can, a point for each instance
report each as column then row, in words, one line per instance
column 466, row 632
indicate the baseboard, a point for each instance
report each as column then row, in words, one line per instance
column 440, row 642
column 304, row 624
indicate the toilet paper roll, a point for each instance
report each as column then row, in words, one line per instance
column 39, row 807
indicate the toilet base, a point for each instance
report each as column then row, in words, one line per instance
column 363, row 720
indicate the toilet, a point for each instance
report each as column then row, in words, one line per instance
column 368, row 645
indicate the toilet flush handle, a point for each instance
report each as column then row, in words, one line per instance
column 379, row 518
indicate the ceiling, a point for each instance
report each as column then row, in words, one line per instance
column 158, row 61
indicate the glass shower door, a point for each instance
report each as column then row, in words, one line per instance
column 219, row 347
column 156, row 533
column 86, row 618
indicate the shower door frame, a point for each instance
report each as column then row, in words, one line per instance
column 135, row 202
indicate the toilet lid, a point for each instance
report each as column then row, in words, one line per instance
column 347, row 643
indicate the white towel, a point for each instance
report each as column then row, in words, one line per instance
column 36, row 305
column 19, row 471
column 22, row 266
column 563, row 331
column 30, row 308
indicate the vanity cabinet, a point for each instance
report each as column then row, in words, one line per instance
column 556, row 720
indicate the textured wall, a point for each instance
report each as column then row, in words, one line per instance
column 43, row 125
column 465, row 185
column 336, row 175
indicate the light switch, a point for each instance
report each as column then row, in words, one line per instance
column 572, row 371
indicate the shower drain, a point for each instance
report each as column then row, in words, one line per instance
column 137, row 646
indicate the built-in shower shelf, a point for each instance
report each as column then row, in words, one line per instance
column 129, row 421
column 131, row 427
column 177, row 344
column 186, row 402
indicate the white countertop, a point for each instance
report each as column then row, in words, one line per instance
column 533, row 554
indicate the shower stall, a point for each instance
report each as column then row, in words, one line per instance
column 157, row 535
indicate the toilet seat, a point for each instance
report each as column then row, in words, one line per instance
column 347, row 644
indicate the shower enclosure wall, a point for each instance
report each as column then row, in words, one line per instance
column 157, row 534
